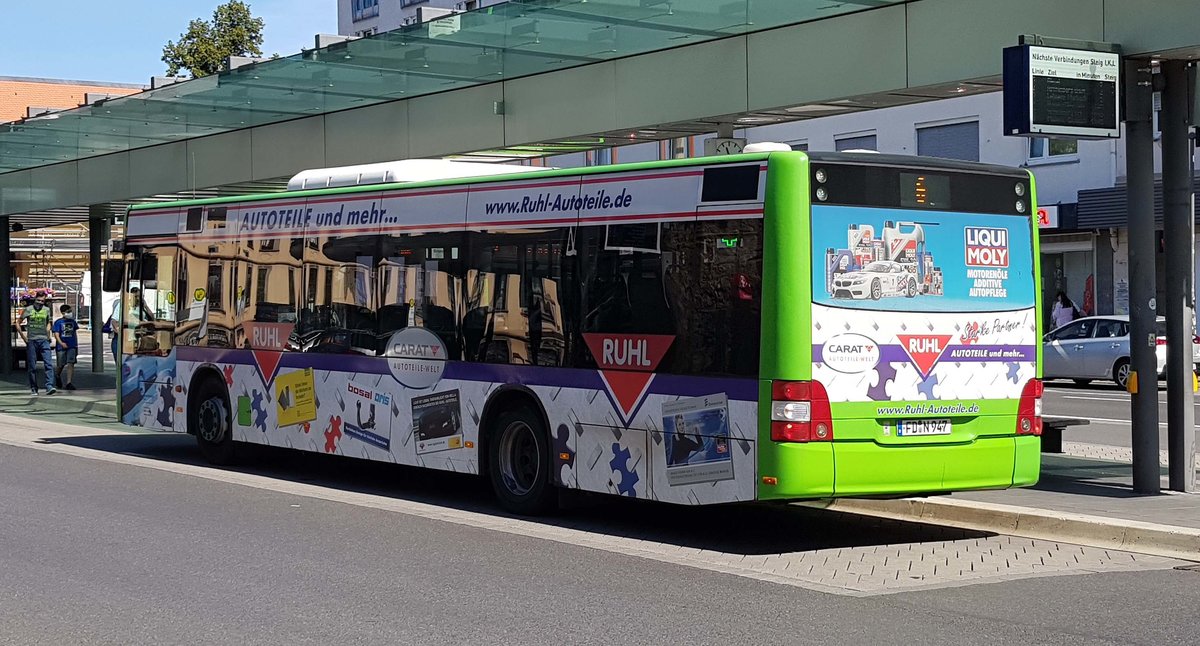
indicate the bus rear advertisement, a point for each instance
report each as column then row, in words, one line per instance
column 764, row 326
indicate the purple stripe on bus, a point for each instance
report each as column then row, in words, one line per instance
column 743, row 389
column 1006, row 353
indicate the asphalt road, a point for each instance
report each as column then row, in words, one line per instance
column 1107, row 406
column 101, row 551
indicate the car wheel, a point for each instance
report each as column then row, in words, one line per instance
column 210, row 420
column 876, row 290
column 519, row 463
column 912, row 288
column 1121, row 372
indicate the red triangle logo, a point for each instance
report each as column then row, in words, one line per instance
column 925, row 350
column 268, row 364
column 627, row 363
column 627, row 388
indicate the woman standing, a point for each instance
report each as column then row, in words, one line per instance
column 1063, row 311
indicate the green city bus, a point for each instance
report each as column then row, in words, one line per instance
column 772, row 325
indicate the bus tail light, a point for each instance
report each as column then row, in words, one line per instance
column 1029, row 411
column 800, row 412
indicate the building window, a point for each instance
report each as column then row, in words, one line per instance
column 363, row 9
column 1043, row 149
column 856, row 142
column 409, row 3
column 950, row 141
column 800, row 145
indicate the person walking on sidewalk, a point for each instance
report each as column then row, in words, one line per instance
column 66, row 340
column 36, row 321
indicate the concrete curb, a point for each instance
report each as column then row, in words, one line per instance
column 1079, row 529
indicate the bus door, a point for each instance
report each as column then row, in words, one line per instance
column 146, row 316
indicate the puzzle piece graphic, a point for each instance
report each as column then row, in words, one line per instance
column 167, row 395
column 885, row 372
column 926, row 387
column 333, row 434
column 228, row 370
column 260, row 413
column 1013, row 370
column 620, row 464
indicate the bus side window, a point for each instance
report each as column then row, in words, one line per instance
column 420, row 285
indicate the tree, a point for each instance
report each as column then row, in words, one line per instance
column 205, row 46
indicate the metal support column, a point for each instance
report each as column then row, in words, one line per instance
column 96, row 228
column 1179, row 233
column 6, row 349
column 1139, row 149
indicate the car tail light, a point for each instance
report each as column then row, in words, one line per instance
column 1160, row 340
column 800, row 412
column 1029, row 411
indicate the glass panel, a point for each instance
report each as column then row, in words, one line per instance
column 493, row 43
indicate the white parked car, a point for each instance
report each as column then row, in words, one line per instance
column 876, row 280
column 1097, row 347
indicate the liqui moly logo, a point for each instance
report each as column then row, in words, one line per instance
column 924, row 350
column 626, row 363
column 986, row 246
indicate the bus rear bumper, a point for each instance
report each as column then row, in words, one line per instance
column 866, row 468
column 836, row 469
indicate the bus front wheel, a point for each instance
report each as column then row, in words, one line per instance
column 519, row 462
column 209, row 419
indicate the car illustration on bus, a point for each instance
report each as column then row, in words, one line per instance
column 876, row 280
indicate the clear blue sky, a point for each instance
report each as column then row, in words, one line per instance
column 122, row 40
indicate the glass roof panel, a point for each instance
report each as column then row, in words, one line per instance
column 510, row 40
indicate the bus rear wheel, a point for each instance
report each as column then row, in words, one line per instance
column 519, row 463
column 209, row 420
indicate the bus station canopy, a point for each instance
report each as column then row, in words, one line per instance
column 534, row 78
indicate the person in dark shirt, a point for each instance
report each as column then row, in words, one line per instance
column 66, row 341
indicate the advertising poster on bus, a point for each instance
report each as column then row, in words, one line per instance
column 922, row 305
column 437, row 422
column 697, row 440
column 369, row 415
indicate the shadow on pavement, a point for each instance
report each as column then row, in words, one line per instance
column 754, row 529
column 1087, row 477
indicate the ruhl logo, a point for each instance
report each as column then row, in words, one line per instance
column 986, row 247
column 626, row 363
column 924, row 350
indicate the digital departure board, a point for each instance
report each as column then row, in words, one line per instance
column 1051, row 91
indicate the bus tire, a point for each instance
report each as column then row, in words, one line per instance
column 876, row 290
column 209, row 420
column 519, row 462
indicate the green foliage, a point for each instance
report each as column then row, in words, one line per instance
column 203, row 48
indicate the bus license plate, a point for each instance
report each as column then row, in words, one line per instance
column 911, row 427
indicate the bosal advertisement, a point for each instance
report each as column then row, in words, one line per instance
column 918, row 305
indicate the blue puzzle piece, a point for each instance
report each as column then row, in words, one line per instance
column 926, row 386
column 1013, row 370
column 885, row 372
column 620, row 464
column 260, row 413
column 167, row 395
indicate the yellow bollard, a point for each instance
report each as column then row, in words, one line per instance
column 1131, row 385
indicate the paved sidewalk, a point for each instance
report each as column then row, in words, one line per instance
column 95, row 398
column 1078, row 500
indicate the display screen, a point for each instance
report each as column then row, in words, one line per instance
column 924, row 190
